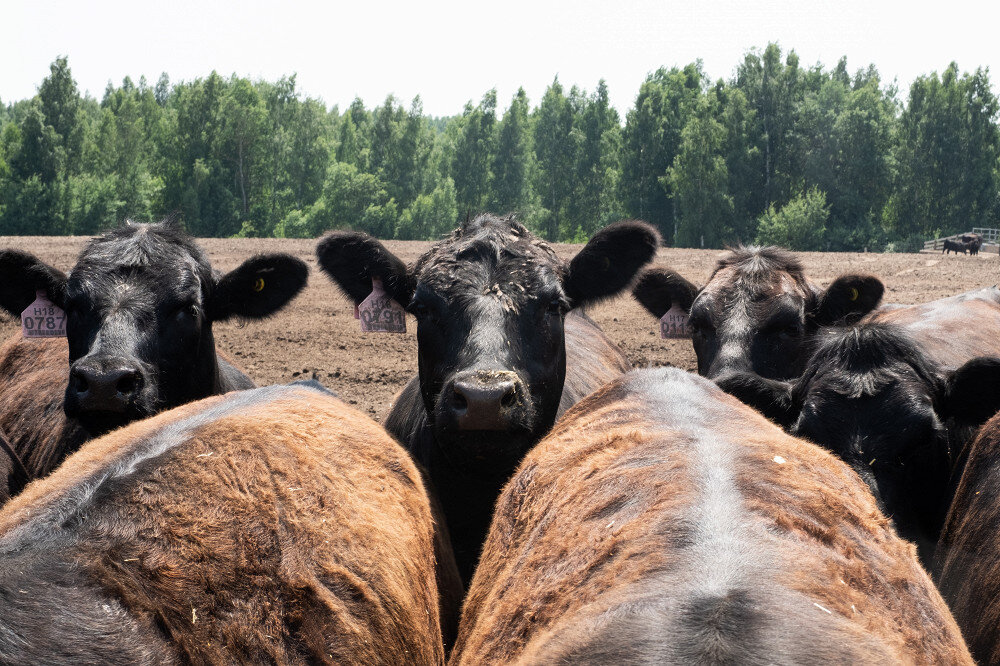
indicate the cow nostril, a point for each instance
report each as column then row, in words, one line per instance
column 459, row 399
column 127, row 384
column 509, row 398
column 80, row 383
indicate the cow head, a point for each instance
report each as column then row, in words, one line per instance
column 139, row 304
column 757, row 311
column 490, row 302
column 869, row 396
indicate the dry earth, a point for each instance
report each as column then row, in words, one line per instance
column 317, row 332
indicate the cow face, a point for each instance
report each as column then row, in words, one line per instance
column 757, row 311
column 140, row 303
column 870, row 397
column 490, row 302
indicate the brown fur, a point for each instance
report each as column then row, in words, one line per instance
column 968, row 554
column 32, row 384
column 275, row 525
column 953, row 330
column 606, row 546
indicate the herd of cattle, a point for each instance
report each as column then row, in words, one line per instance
column 827, row 490
column 966, row 244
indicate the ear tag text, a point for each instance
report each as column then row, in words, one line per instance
column 674, row 324
column 379, row 313
column 43, row 318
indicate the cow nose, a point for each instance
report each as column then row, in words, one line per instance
column 105, row 388
column 485, row 400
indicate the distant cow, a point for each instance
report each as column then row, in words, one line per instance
column 663, row 522
column 498, row 354
column 140, row 304
column 973, row 241
column 757, row 312
column 275, row 525
column 968, row 554
column 895, row 399
column 955, row 246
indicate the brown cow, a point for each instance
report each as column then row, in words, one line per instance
column 968, row 554
column 662, row 521
column 273, row 525
column 757, row 312
column 32, row 421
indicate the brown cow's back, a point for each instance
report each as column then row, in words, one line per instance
column 951, row 331
column 274, row 525
column 663, row 521
column 33, row 376
column 968, row 553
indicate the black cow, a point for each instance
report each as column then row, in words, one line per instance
column 873, row 396
column 140, row 304
column 757, row 312
column 955, row 246
column 491, row 304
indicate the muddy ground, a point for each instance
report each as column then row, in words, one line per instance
column 317, row 332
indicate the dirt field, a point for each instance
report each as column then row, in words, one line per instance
column 318, row 334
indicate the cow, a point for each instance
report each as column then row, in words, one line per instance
column 973, row 241
column 757, row 312
column 898, row 397
column 273, row 525
column 663, row 522
column 955, row 246
column 140, row 303
column 35, row 432
column 968, row 553
column 498, row 355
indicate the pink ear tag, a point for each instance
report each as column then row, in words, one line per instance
column 43, row 319
column 356, row 314
column 674, row 324
column 379, row 313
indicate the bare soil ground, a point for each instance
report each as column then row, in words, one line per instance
column 317, row 332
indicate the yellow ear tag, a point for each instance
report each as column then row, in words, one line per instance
column 259, row 285
column 854, row 293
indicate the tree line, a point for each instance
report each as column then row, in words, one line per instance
column 812, row 158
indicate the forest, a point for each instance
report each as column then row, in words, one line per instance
column 808, row 157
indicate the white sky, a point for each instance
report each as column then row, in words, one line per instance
column 449, row 52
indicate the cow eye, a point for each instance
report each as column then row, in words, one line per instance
column 417, row 309
column 555, row 307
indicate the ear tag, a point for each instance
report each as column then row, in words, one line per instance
column 379, row 313
column 259, row 285
column 357, row 315
column 674, row 324
column 43, row 318
column 854, row 293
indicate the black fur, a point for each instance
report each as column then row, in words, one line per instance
column 141, row 301
column 757, row 312
column 490, row 302
column 871, row 396
column 21, row 275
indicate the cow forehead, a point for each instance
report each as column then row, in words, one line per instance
column 511, row 263
column 744, row 283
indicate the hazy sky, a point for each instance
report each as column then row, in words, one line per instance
column 451, row 52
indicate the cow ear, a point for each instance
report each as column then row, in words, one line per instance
column 848, row 299
column 972, row 393
column 609, row 262
column 21, row 275
column 659, row 289
column 258, row 287
column 772, row 398
column 351, row 259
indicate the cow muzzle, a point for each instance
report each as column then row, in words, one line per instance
column 485, row 400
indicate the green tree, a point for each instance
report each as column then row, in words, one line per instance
column 555, row 154
column 475, row 149
column 798, row 225
column 430, row 216
column 350, row 200
column 595, row 201
column 513, row 162
column 699, row 182
column 652, row 138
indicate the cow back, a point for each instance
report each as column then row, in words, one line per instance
column 268, row 526
column 661, row 521
column 968, row 552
